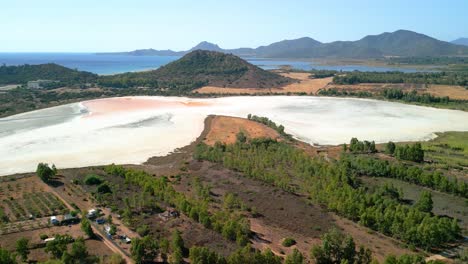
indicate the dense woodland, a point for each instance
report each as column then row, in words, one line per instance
column 413, row 96
column 394, row 94
column 24, row 73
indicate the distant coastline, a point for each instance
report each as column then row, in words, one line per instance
column 114, row 64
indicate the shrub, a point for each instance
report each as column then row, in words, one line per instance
column 92, row 180
column 43, row 236
column 45, row 172
column 287, row 242
column 104, row 188
column 143, row 230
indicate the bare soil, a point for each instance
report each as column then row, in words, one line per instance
column 303, row 85
column 225, row 129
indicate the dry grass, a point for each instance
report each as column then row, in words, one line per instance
column 454, row 92
column 379, row 244
column 303, row 85
column 225, row 128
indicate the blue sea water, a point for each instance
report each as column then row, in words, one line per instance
column 111, row 64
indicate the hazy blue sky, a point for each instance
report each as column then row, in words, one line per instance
column 104, row 25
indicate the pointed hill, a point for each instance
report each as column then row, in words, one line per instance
column 202, row 68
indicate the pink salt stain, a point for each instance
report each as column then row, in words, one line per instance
column 101, row 107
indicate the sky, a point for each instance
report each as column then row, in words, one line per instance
column 117, row 25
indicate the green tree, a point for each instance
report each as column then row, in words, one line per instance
column 247, row 255
column 86, row 227
column 337, row 248
column 164, row 248
column 6, row 257
column 78, row 253
column 288, row 242
column 295, row 257
column 113, row 230
column 92, row 179
column 404, row 259
column 104, row 188
column 177, row 247
column 241, row 137
column 45, row 172
column 22, row 248
column 57, row 246
column 202, row 255
column 390, row 148
column 425, row 203
column 143, row 249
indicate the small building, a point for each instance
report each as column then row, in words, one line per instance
column 54, row 220
column 39, row 84
column 169, row 213
column 92, row 214
column 69, row 219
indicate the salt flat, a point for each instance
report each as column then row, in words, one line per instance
column 132, row 129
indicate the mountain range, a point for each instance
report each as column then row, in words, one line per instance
column 402, row 43
column 460, row 41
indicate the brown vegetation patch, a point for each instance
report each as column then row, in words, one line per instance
column 225, row 128
column 380, row 245
column 304, row 84
column 454, row 92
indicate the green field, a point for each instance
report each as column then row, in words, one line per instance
column 449, row 149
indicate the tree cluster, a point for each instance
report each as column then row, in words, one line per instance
column 338, row 248
column 365, row 146
column 344, row 92
column 370, row 166
column 413, row 96
column 412, row 152
column 266, row 121
column 448, row 78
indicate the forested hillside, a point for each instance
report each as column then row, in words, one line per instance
column 51, row 71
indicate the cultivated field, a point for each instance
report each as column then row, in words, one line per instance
column 27, row 204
